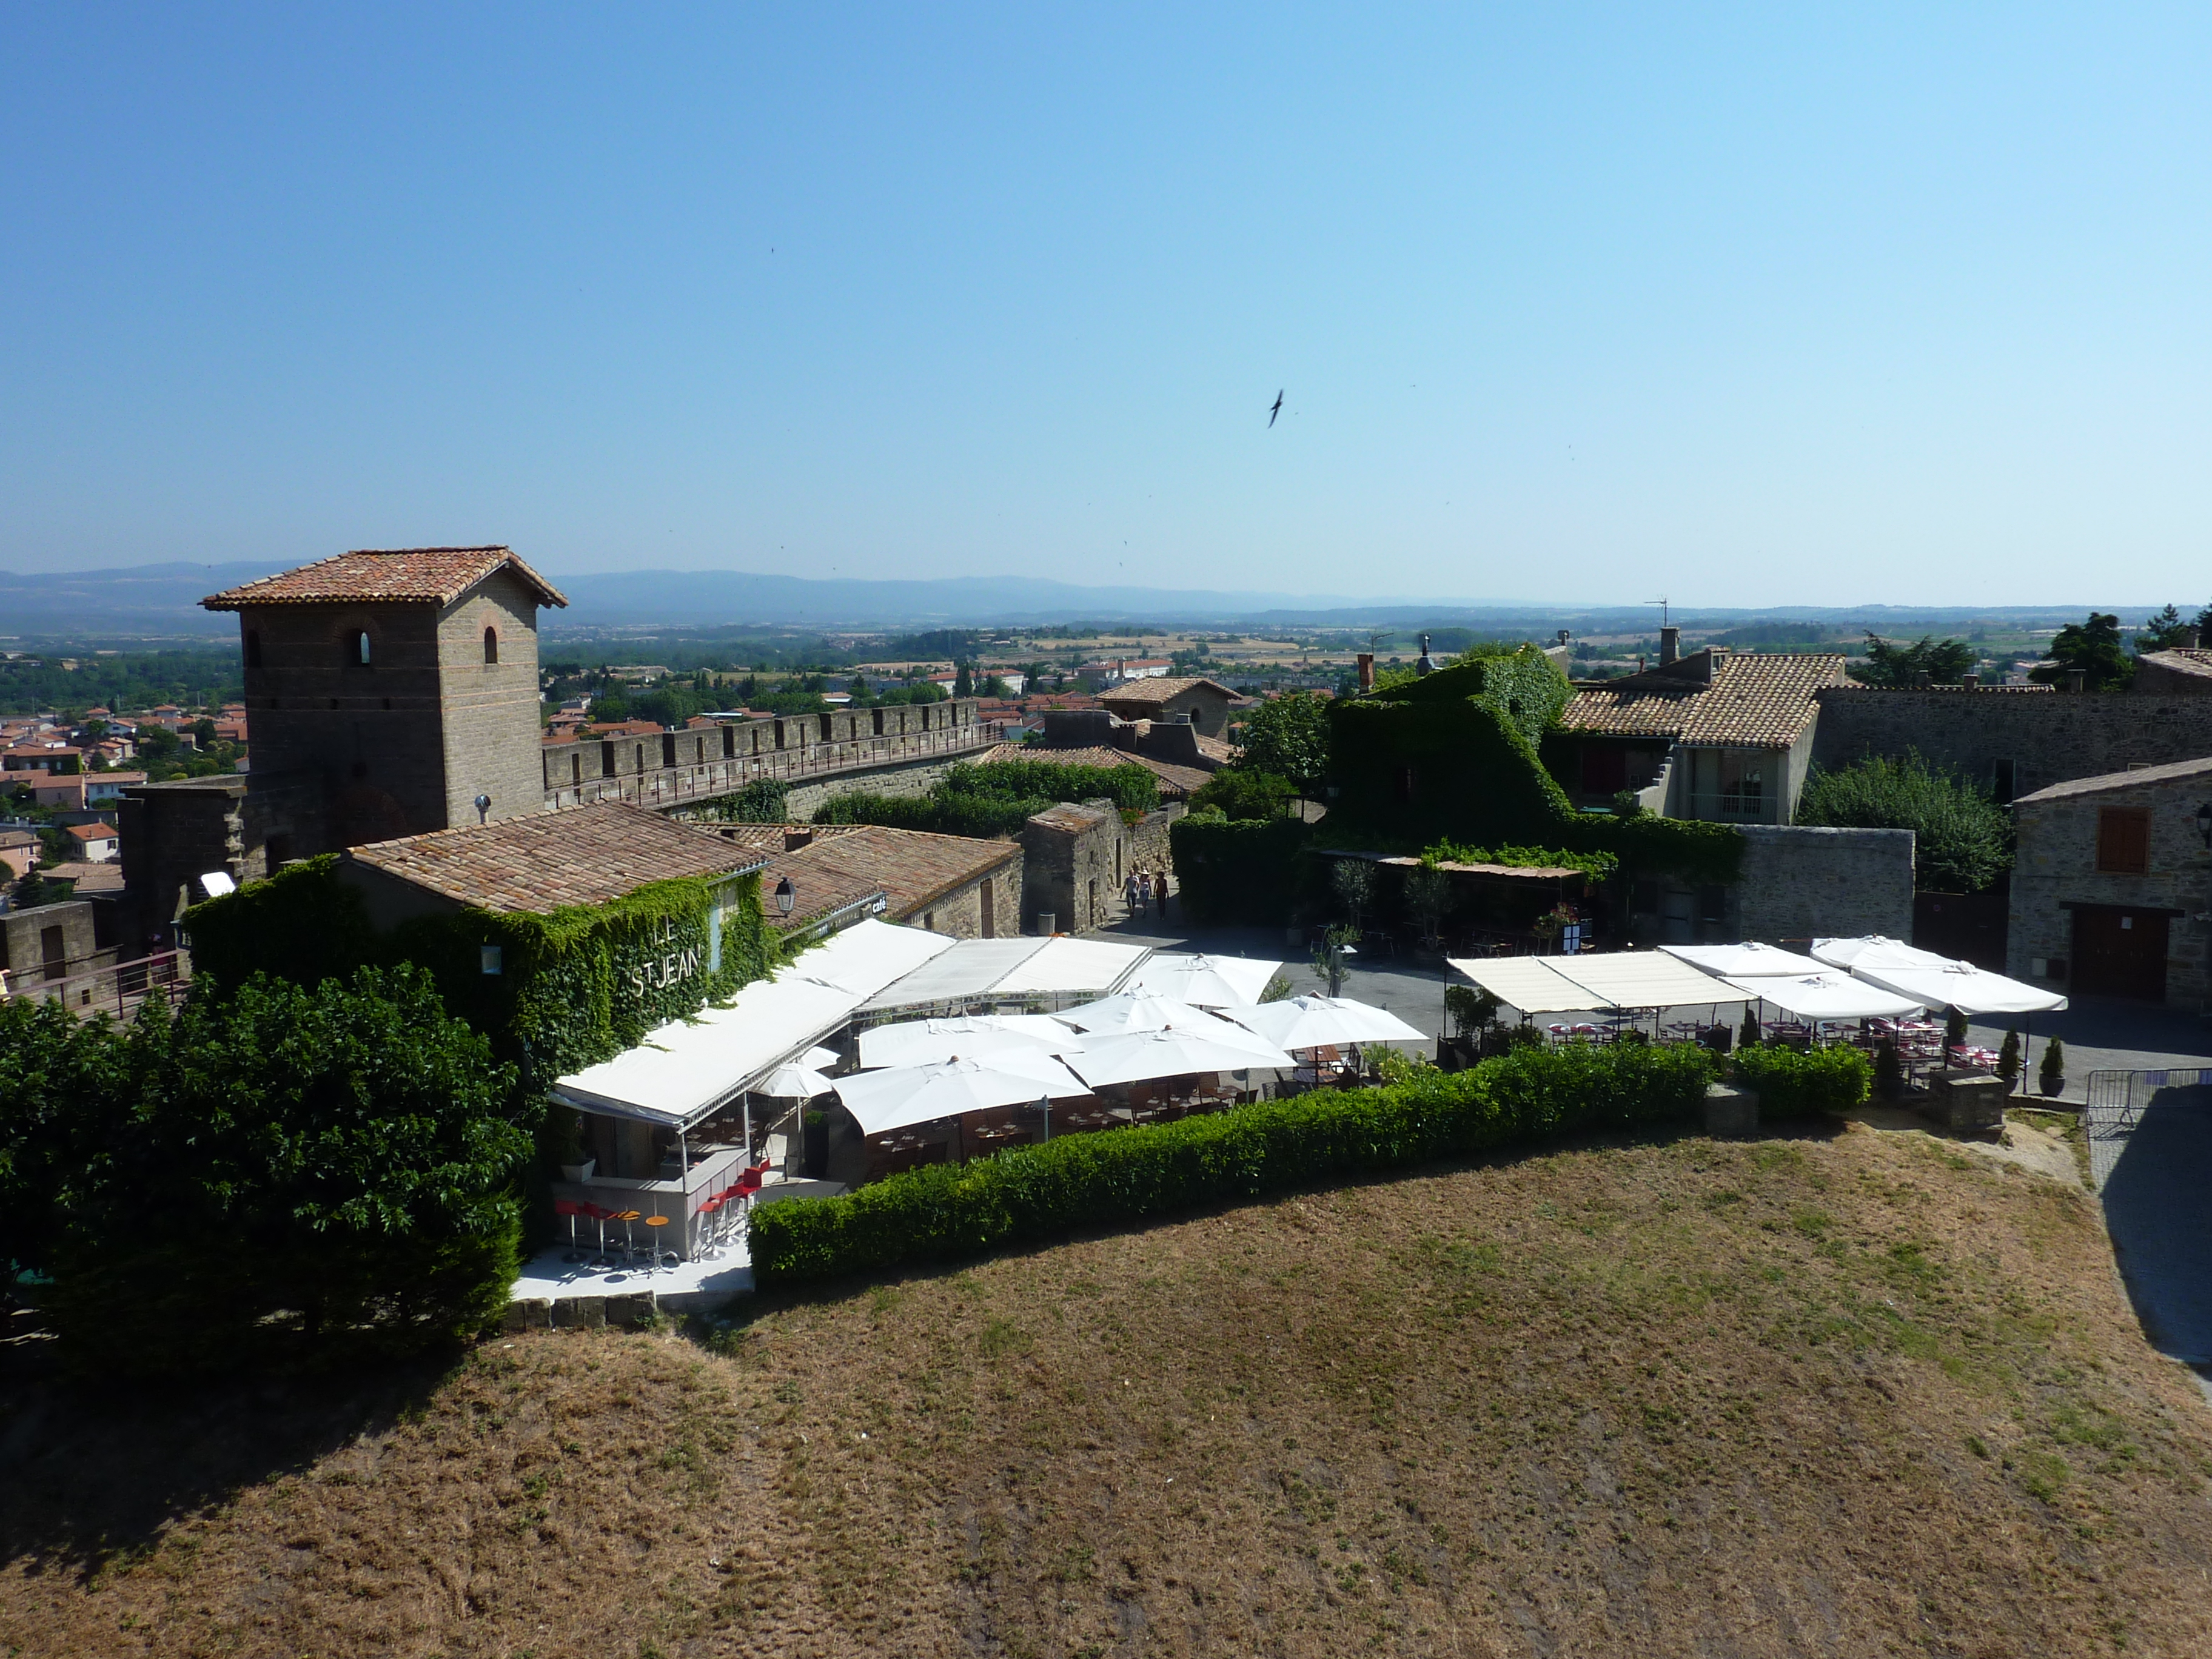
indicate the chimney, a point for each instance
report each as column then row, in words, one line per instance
column 1121, row 670
column 2076, row 679
column 795, row 839
column 1367, row 670
column 1670, row 645
column 1639, row 665
column 1969, row 681
column 2188, row 639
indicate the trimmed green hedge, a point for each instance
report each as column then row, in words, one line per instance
column 1792, row 1083
column 944, row 1213
column 1240, row 871
column 991, row 800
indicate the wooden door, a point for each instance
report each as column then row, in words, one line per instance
column 2119, row 952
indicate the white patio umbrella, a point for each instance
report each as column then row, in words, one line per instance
column 901, row 1095
column 1962, row 986
column 1136, row 1056
column 1311, row 1022
column 1874, row 951
column 967, row 1036
column 1736, row 961
column 1827, row 996
column 1142, row 1011
column 793, row 1080
column 1206, row 982
column 819, row 1058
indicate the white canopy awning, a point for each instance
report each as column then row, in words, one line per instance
column 903, row 1095
column 1626, row 979
column 1876, row 951
column 685, row 1070
column 1753, row 961
column 1528, row 983
column 1641, row 978
column 1013, row 969
column 1827, row 995
column 1208, row 981
column 1962, row 986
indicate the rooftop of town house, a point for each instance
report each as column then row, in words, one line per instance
column 1174, row 779
column 90, row 878
column 1110, row 663
column 408, row 575
column 817, row 893
column 1073, row 815
column 2183, row 660
column 549, row 860
column 1153, row 694
column 90, row 832
column 2172, row 772
column 912, row 868
column 1709, row 698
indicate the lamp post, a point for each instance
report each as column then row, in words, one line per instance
column 786, row 897
column 2204, row 824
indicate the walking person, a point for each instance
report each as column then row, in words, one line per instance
column 1133, row 890
column 1160, row 892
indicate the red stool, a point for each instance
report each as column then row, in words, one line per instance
column 573, row 1210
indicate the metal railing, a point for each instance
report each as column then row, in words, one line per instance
column 115, row 987
column 674, row 785
column 2116, row 1098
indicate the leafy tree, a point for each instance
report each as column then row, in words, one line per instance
column 1287, row 736
column 280, row 1177
column 1239, row 792
column 2093, row 647
column 203, row 731
column 1353, row 882
column 1962, row 839
column 2163, row 631
column 1929, row 662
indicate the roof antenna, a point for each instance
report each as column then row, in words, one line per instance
column 1662, row 603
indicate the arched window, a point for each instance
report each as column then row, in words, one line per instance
column 491, row 645
column 253, row 647
column 357, row 647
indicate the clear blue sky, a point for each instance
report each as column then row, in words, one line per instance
column 1764, row 304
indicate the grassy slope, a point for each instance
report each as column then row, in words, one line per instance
column 1851, row 1396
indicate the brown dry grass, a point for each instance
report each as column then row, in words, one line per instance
column 1864, row 1396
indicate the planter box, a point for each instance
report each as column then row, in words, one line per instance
column 1966, row 1103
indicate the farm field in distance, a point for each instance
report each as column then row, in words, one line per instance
column 1848, row 1392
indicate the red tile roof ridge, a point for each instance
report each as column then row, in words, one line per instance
column 423, row 575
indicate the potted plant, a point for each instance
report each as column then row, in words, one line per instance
column 1889, row 1070
column 2008, row 1060
column 2051, row 1076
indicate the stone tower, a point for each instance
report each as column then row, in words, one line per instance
column 405, row 683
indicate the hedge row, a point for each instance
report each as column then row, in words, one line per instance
column 944, row 1212
column 1793, row 1083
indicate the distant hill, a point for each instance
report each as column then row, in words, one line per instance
column 163, row 600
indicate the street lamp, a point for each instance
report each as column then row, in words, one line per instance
column 2204, row 824
column 786, row 897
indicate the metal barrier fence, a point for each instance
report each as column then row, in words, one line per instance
column 2116, row 1098
column 113, row 988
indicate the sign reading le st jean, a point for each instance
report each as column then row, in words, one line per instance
column 671, row 967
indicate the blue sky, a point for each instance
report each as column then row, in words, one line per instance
column 1750, row 306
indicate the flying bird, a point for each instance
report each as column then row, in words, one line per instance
column 1277, row 409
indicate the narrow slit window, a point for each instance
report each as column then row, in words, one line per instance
column 491, row 645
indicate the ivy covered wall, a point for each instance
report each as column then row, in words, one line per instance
column 573, row 987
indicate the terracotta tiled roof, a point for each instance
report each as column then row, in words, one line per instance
column 2183, row 660
column 1753, row 701
column 585, row 855
column 419, row 575
column 1072, row 816
column 1219, row 751
column 90, row 878
column 1174, row 779
column 913, row 870
column 93, row 831
column 1151, row 694
column 816, row 891
column 2172, row 772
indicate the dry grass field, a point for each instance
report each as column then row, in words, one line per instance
column 1857, row 1394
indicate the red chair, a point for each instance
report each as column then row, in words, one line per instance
column 573, row 1210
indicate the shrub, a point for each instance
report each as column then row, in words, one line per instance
column 2009, row 1058
column 281, row 1176
column 2052, row 1075
column 993, row 800
column 1962, row 840
column 944, row 1213
column 1239, row 793
column 1889, row 1070
column 1790, row 1083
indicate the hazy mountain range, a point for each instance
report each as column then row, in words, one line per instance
column 164, row 600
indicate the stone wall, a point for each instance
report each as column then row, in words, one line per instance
column 2056, row 870
column 988, row 907
column 1800, row 884
column 1074, row 860
column 488, row 724
column 25, row 935
column 2040, row 737
column 1148, row 838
